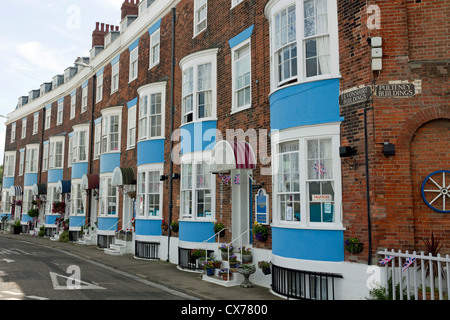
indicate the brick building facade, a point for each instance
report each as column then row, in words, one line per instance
column 141, row 130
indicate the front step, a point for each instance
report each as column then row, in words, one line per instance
column 119, row 248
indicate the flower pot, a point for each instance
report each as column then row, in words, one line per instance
column 224, row 255
column 210, row 272
column 227, row 276
column 266, row 271
column 355, row 248
column 217, row 264
column 261, row 237
column 16, row 230
column 247, row 258
column 246, row 273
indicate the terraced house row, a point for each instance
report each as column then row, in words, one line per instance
column 317, row 121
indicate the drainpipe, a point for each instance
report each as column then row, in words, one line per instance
column 41, row 148
column 369, row 223
column 91, row 138
column 172, row 107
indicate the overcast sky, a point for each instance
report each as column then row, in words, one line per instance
column 40, row 39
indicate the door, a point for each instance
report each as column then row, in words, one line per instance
column 240, row 193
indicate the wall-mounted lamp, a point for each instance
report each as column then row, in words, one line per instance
column 163, row 178
column 347, row 151
column 175, row 176
column 388, row 149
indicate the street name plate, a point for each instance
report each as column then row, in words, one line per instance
column 355, row 96
column 400, row 90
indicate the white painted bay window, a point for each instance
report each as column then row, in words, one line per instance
column 32, row 158
column 150, row 191
column 56, row 153
column 10, row 164
column 22, row 162
column 307, row 189
column 111, row 129
column 78, row 199
column 197, row 191
column 304, row 40
column 52, row 196
column 6, row 202
column 131, row 129
column 199, row 92
column 152, row 111
column 80, row 139
column 108, row 197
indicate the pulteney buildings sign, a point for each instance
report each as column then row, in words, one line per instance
column 395, row 90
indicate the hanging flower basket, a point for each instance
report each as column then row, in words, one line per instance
column 260, row 232
column 58, row 207
column 352, row 245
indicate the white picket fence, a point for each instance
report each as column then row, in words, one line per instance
column 411, row 278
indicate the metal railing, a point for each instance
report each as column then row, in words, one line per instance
column 411, row 273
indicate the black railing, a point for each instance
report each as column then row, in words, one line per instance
column 300, row 284
column 147, row 250
column 104, row 241
column 187, row 261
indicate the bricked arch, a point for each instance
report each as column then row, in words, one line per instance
column 417, row 120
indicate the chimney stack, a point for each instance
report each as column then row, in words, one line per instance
column 101, row 29
column 130, row 8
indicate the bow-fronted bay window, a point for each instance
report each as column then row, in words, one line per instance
column 150, row 191
column 199, row 93
column 27, row 200
column 80, row 139
column 111, row 129
column 9, row 164
column 152, row 104
column 21, row 162
column 32, row 158
column 304, row 40
column 56, row 153
column 6, row 202
column 78, row 197
column 197, row 190
column 52, row 196
column 108, row 197
column 307, row 178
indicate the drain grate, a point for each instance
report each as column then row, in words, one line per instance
column 13, row 274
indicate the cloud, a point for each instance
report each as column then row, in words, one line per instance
column 41, row 57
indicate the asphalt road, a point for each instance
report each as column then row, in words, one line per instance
column 34, row 272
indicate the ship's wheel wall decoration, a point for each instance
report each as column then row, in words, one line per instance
column 436, row 191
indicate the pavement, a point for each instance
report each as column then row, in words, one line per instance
column 158, row 272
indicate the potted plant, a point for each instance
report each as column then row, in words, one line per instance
column 219, row 228
column 225, row 249
column 265, row 266
column 260, row 231
column 33, row 213
column 217, row 263
column 59, row 207
column 226, row 274
column 174, row 226
column 246, row 270
column 246, row 254
column 233, row 261
column 353, row 245
column 208, row 267
column 16, row 227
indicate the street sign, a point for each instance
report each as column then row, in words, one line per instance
column 355, row 96
column 401, row 90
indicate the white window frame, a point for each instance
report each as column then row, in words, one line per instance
column 234, row 3
column 190, row 186
column 107, row 135
column 302, row 136
column 13, row 132
column 48, row 118
column 99, row 90
column 134, row 64
column 78, row 199
column 155, row 48
column 146, row 117
column 131, row 127
column 35, row 123
column 73, row 106
column 24, row 128
column 60, row 114
column 6, row 202
column 53, row 155
column 84, row 99
column 21, row 162
column 32, row 158
column 27, row 198
column 115, row 69
column 105, row 195
column 199, row 6
column 234, row 51
column 45, row 157
column 144, row 194
column 52, row 197
column 9, row 164
column 98, row 140
column 70, row 152
column 192, row 62
column 77, row 147
column 276, row 6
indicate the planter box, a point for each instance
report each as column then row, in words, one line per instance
column 16, row 230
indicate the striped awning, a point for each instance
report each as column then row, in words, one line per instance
column 39, row 189
column 227, row 156
column 90, row 181
column 123, row 176
column 63, row 186
column 15, row 191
